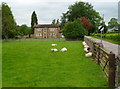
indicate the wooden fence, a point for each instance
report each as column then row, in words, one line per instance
column 118, row 71
column 104, row 58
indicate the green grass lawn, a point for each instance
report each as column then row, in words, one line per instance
column 32, row 64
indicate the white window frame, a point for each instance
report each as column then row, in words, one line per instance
column 52, row 34
column 39, row 34
column 38, row 29
column 45, row 30
column 52, row 29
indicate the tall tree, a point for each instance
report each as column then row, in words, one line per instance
column 34, row 21
column 57, row 22
column 63, row 20
column 80, row 9
column 53, row 21
column 74, row 30
column 86, row 23
column 8, row 22
column 113, row 23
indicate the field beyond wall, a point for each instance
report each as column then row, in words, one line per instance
column 32, row 64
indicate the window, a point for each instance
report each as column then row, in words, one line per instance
column 45, row 30
column 39, row 34
column 38, row 29
column 51, row 29
column 52, row 34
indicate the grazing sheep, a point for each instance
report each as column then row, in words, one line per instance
column 53, row 44
column 86, row 49
column 54, row 50
column 63, row 49
column 88, row 54
column 84, row 43
column 86, row 46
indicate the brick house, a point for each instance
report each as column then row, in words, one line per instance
column 47, row 31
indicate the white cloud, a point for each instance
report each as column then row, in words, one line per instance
column 100, row 0
column 109, row 9
column 47, row 10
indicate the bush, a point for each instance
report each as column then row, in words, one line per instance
column 112, row 36
column 74, row 30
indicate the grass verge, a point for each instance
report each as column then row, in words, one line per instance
column 32, row 64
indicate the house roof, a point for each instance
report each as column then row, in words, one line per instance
column 46, row 25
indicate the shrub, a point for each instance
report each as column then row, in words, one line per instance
column 74, row 30
column 112, row 36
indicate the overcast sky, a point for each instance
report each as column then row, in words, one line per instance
column 47, row 10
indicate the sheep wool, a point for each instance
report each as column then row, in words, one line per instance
column 53, row 44
column 88, row 54
column 86, row 49
column 63, row 49
column 54, row 50
column 86, row 46
column 84, row 43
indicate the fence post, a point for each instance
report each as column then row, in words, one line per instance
column 111, row 78
column 93, row 48
column 98, row 50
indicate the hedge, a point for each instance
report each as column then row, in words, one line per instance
column 112, row 36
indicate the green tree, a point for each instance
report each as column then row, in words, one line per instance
column 113, row 23
column 8, row 23
column 53, row 21
column 74, row 30
column 82, row 9
column 34, row 21
column 24, row 30
column 57, row 22
column 118, row 27
column 63, row 20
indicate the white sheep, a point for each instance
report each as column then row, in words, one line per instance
column 53, row 44
column 63, row 49
column 88, row 54
column 86, row 46
column 54, row 50
column 84, row 43
column 86, row 50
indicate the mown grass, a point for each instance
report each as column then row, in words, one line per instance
column 32, row 64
